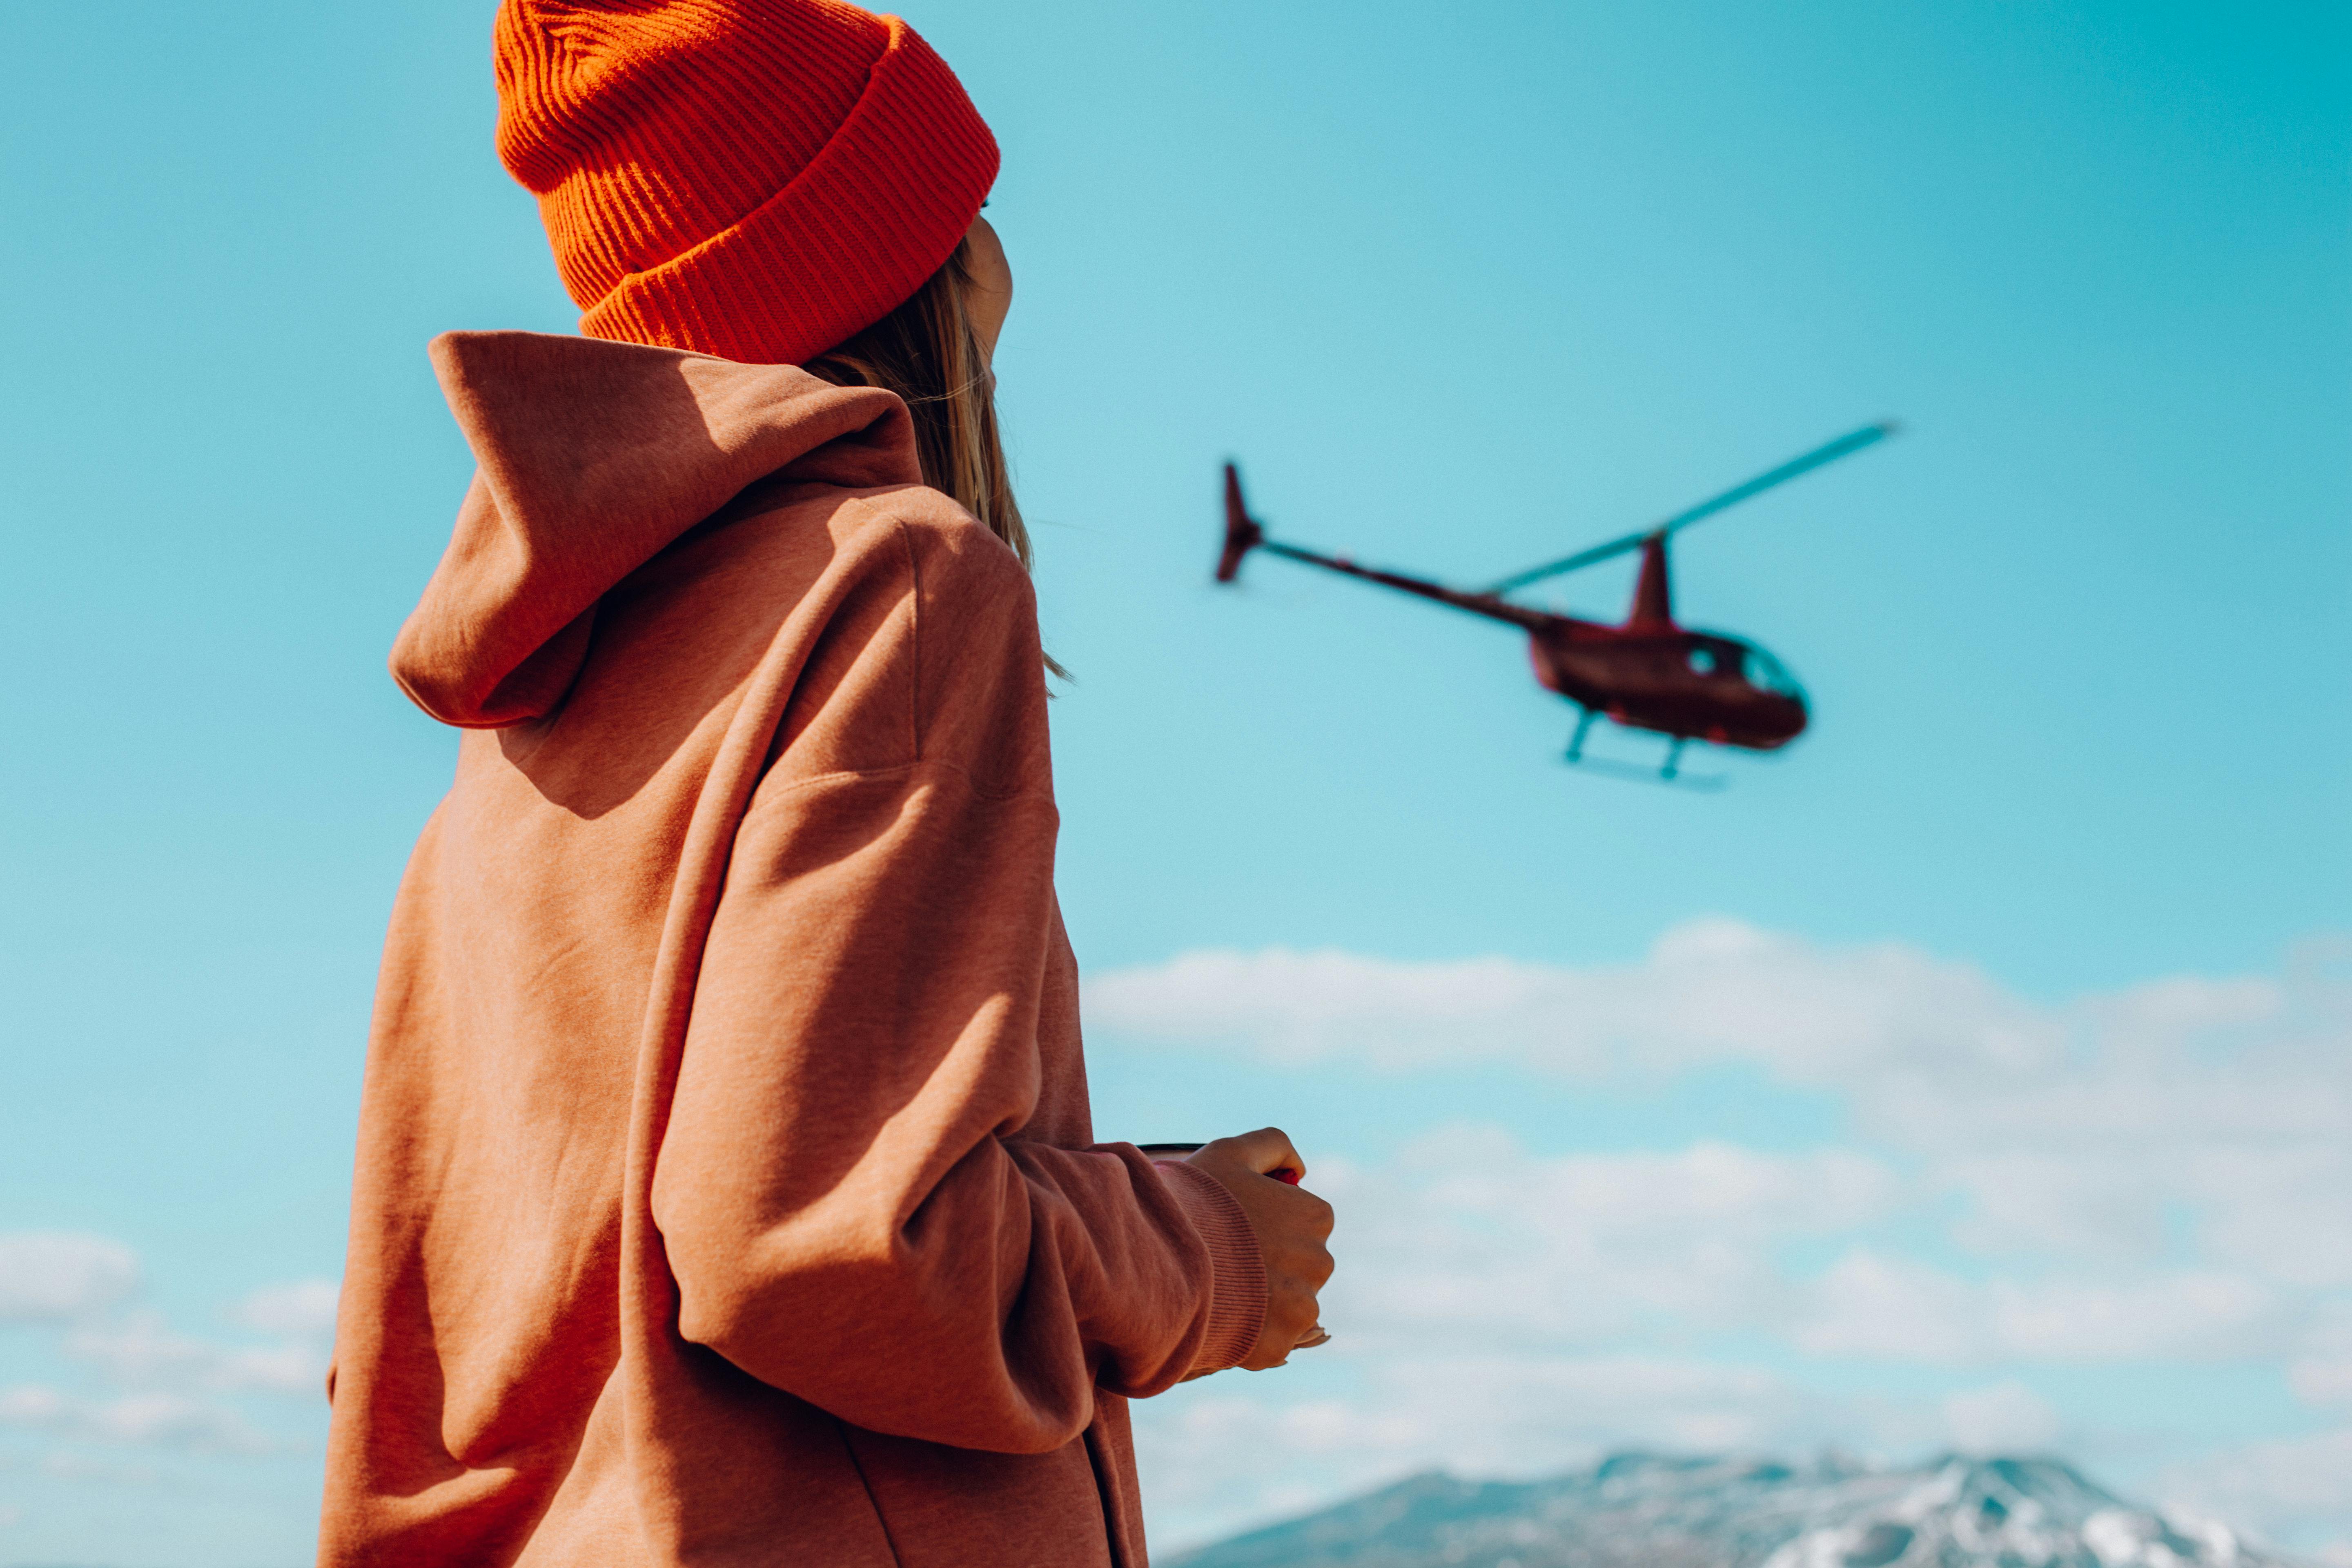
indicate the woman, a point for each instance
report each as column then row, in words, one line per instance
column 726, row 1192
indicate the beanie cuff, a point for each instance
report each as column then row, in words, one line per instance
column 822, row 259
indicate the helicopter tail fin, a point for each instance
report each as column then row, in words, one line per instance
column 1242, row 534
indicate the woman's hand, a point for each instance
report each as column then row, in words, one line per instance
column 1292, row 1225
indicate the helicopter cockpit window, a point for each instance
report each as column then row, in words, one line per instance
column 1768, row 672
column 1724, row 658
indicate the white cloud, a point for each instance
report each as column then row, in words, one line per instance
column 2319, row 1381
column 1932, row 1049
column 2056, row 1201
column 2282, row 1206
column 1875, row 1306
column 291, row 1368
column 1466, row 1238
column 129, row 1378
column 1468, row 1235
column 1879, row 1308
column 2005, row 1417
column 2322, row 1373
column 2298, row 1486
column 1711, row 990
column 140, row 1351
column 54, row 1276
column 160, row 1420
column 175, row 1421
column 1505, row 1416
column 304, row 1309
column 2157, row 1175
column 2187, row 1314
column 29, row 1406
column 1707, row 1185
column 2085, row 1144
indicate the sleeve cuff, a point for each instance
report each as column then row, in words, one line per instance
column 1237, row 1298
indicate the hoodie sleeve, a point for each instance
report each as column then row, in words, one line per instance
column 847, row 1201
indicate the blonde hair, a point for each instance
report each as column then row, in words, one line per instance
column 928, row 352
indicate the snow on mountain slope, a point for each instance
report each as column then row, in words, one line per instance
column 1662, row 1512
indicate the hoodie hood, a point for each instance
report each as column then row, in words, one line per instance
column 594, row 456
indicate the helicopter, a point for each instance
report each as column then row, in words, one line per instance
column 1649, row 672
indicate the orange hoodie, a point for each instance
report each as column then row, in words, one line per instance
column 726, row 1193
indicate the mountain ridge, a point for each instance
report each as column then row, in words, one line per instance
column 1663, row 1510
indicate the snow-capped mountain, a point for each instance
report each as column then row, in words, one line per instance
column 1659, row 1512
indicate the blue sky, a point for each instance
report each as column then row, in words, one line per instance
column 1462, row 289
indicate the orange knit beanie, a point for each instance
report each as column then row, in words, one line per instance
column 754, row 179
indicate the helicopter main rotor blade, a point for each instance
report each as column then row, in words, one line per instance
column 1869, row 435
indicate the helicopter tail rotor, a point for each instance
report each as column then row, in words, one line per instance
column 1242, row 534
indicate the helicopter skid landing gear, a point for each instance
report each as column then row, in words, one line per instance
column 1583, row 728
column 1669, row 773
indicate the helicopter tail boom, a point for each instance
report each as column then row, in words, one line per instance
column 1245, row 533
column 1242, row 534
